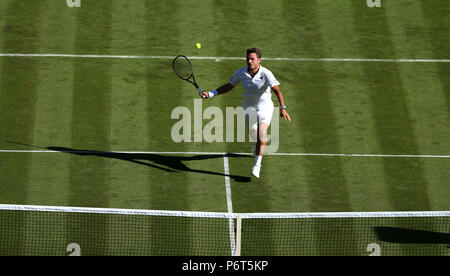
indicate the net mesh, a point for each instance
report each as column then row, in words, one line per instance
column 387, row 236
column 34, row 233
column 51, row 231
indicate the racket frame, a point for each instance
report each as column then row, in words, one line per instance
column 190, row 76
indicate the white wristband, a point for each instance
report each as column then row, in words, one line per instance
column 213, row 93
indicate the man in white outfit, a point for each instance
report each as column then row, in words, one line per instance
column 257, row 83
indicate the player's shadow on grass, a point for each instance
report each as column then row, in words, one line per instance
column 171, row 163
column 402, row 235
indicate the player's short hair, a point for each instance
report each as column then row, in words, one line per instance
column 254, row 50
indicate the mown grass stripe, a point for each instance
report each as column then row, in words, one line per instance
column 394, row 132
column 207, row 184
column 91, row 115
column 264, row 23
column 159, row 84
column 424, row 93
column 326, row 182
column 436, row 15
column 230, row 42
column 266, row 26
column 351, row 104
column 18, row 92
column 234, row 40
column 158, row 118
column 91, row 104
column 210, row 186
column 17, row 107
column 129, row 184
column 53, row 104
column 225, row 14
column 315, row 106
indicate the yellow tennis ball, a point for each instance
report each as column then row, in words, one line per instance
column 198, row 45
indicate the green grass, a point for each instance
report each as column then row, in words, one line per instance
column 126, row 104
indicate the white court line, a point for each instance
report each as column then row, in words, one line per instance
column 231, row 153
column 231, row 58
column 226, row 168
column 363, row 155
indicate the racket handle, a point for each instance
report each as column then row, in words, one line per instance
column 200, row 91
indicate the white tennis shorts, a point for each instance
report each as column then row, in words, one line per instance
column 258, row 114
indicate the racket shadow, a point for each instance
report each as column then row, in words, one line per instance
column 167, row 163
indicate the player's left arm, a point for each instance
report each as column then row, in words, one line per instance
column 283, row 112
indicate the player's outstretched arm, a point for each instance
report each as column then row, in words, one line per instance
column 219, row 91
column 283, row 112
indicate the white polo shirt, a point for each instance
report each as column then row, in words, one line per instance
column 256, row 90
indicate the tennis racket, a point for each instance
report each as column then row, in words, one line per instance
column 182, row 67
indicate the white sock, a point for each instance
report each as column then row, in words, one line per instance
column 258, row 160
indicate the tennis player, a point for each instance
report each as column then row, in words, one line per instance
column 257, row 83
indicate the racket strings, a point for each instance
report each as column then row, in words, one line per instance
column 182, row 68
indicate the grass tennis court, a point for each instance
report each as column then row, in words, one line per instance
column 96, row 131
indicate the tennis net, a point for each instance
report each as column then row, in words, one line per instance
column 49, row 230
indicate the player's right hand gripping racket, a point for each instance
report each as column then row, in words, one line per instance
column 182, row 67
